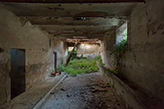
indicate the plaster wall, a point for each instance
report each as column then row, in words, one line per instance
column 107, row 47
column 38, row 51
column 88, row 50
column 144, row 59
column 60, row 48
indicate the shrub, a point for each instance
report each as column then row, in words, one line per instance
column 81, row 66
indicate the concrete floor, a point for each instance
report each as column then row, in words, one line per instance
column 28, row 99
column 87, row 91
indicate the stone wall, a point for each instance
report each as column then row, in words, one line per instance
column 144, row 59
column 88, row 50
column 38, row 47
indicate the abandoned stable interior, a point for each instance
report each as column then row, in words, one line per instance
column 88, row 54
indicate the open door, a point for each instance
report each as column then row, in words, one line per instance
column 17, row 73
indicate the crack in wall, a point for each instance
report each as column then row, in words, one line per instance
column 147, row 22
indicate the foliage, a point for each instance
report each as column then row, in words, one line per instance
column 80, row 66
column 98, row 58
column 121, row 47
column 112, row 71
column 53, row 70
column 73, row 55
column 118, row 54
column 81, row 57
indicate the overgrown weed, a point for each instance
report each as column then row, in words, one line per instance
column 81, row 66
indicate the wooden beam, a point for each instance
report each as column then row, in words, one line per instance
column 70, row 56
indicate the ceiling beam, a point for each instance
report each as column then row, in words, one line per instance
column 71, row 21
column 102, row 10
column 83, row 40
column 71, row 1
column 81, row 35
column 84, row 28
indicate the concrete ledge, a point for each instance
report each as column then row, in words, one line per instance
column 129, row 96
column 31, row 97
column 37, row 106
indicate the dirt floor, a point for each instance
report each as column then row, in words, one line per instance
column 87, row 91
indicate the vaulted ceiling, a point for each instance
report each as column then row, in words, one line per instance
column 71, row 20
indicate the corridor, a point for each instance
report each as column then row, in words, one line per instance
column 40, row 38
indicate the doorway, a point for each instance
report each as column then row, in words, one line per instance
column 55, row 60
column 17, row 73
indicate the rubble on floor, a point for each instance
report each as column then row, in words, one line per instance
column 87, row 91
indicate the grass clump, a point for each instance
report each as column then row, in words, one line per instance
column 98, row 58
column 81, row 66
column 112, row 71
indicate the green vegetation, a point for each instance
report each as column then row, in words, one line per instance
column 81, row 66
column 121, row 47
column 73, row 55
column 98, row 58
column 112, row 71
column 118, row 54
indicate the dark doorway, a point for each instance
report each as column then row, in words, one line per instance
column 55, row 60
column 17, row 73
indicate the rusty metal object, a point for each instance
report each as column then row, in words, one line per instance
column 56, row 73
